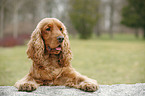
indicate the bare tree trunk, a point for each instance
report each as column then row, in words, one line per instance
column 17, row 5
column 41, row 8
column 136, row 33
column 111, row 18
column 15, row 33
column 2, row 5
column 15, row 20
column 144, row 33
column 98, row 33
column 2, row 22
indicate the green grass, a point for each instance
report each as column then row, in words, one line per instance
column 107, row 61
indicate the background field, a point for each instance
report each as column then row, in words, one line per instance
column 107, row 61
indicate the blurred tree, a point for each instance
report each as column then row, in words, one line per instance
column 98, row 25
column 133, row 15
column 16, row 5
column 111, row 18
column 84, row 17
column 2, row 5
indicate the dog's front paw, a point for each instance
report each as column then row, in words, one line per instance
column 27, row 87
column 89, row 87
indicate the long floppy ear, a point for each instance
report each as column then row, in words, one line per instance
column 66, row 54
column 35, row 49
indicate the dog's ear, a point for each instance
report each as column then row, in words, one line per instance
column 66, row 54
column 35, row 49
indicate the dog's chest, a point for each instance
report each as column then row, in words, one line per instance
column 50, row 70
column 53, row 72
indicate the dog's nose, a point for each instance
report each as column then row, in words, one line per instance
column 60, row 39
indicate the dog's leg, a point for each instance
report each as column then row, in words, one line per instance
column 26, row 84
column 84, row 83
column 87, row 84
column 74, row 79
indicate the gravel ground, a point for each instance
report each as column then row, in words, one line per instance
column 105, row 90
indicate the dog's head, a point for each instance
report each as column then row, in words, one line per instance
column 52, row 32
column 49, row 37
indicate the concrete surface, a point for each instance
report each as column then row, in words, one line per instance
column 105, row 90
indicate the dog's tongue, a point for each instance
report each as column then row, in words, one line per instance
column 58, row 48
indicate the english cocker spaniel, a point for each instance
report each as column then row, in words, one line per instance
column 49, row 49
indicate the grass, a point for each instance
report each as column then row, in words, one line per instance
column 107, row 61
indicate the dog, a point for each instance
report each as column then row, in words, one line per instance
column 49, row 49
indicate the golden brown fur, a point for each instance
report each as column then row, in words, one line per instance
column 51, row 66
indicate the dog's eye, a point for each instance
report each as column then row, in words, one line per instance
column 48, row 29
column 60, row 29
